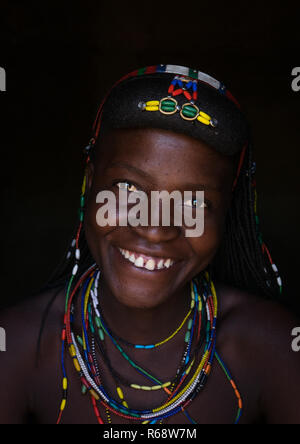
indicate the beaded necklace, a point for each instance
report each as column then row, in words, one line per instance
column 203, row 312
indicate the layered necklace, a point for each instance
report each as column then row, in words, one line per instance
column 200, row 323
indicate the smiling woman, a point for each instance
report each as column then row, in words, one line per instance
column 157, row 326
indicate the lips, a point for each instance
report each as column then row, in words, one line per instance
column 150, row 263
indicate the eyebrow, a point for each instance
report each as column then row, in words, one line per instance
column 186, row 186
column 130, row 168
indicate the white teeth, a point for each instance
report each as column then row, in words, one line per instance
column 132, row 258
column 150, row 265
column 167, row 263
column 139, row 262
column 160, row 264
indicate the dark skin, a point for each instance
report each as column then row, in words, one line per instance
column 142, row 306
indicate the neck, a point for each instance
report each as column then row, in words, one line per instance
column 144, row 326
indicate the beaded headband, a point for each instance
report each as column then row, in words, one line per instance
column 179, row 99
column 204, row 108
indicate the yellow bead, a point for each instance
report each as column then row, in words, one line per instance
column 145, row 422
column 83, row 185
column 76, row 364
column 151, row 108
column 120, row 393
column 206, row 116
column 202, row 120
column 72, row 350
column 166, row 384
column 193, row 303
column 65, row 383
column 63, row 404
column 94, row 394
column 145, row 387
column 152, row 103
column 135, row 386
column 189, row 368
column 156, row 387
column 124, row 403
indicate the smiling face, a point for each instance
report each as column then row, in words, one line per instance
column 144, row 266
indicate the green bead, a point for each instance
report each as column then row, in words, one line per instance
column 190, row 108
column 141, row 71
column 81, row 216
column 188, row 112
column 168, row 103
column 83, row 389
column 80, row 340
column 187, row 336
column 256, row 219
column 82, row 201
column 193, row 73
column 101, row 334
column 168, row 109
column 190, row 324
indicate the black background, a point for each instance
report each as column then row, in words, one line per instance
column 60, row 58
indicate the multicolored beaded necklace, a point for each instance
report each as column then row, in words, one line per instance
column 201, row 328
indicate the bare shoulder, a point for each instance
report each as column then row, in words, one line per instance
column 257, row 334
column 262, row 320
column 22, row 324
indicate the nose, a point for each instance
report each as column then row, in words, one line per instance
column 157, row 234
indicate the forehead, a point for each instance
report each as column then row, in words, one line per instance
column 163, row 153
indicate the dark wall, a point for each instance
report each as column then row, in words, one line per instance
column 61, row 58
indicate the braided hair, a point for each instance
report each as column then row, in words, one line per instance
column 243, row 259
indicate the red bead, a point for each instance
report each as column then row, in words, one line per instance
column 177, row 92
column 84, row 382
column 187, row 95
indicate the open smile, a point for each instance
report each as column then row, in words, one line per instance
column 151, row 263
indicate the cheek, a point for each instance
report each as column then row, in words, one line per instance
column 206, row 246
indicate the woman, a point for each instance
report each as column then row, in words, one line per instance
column 158, row 327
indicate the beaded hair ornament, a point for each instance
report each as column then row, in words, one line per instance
column 201, row 320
